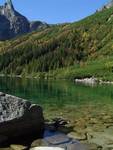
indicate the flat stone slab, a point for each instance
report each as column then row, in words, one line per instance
column 57, row 139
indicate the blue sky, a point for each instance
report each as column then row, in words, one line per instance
column 57, row 11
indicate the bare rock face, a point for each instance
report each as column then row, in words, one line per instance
column 13, row 23
column 107, row 6
column 19, row 118
column 36, row 25
column 110, row 4
column 18, row 25
column 4, row 28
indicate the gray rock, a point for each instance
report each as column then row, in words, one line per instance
column 78, row 136
column 110, row 4
column 59, row 140
column 4, row 28
column 19, row 117
column 39, row 142
column 36, row 25
column 46, row 148
column 106, row 6
column 2, row 94
column 91, row 146
column 76, row 146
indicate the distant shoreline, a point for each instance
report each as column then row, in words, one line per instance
column 87, row 81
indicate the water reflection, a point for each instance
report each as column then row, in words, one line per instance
column 57, row 93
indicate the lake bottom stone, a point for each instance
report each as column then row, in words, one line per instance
column 59, row 140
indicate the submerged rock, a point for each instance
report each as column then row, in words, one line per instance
column 39, row 142
column 19, row 118
column 92, row 146
column 47, row 148
column 78, row 136
column 57, row 139
column 18, row 147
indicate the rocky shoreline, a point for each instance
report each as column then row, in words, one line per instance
column 92, row 134
column 21, row 123
column 92, row 129
column 92, row 81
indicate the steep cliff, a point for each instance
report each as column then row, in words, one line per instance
column 12, row 23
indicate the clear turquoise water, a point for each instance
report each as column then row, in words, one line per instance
column 61, row 97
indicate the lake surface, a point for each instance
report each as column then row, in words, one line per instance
column 61, row 98
column 88, row 109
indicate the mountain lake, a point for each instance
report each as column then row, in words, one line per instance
column 89, row 109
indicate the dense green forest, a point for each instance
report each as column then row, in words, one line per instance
column 75, row 50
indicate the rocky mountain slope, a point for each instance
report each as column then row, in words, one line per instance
column 13, row 23
column 76, row 50
column 110, row 4
column 107, row 6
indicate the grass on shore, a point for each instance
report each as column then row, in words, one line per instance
column 101, row 69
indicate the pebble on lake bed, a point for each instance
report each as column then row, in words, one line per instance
column 17, row 147
column 46, row 148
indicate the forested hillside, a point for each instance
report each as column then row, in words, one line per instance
column 80, row 49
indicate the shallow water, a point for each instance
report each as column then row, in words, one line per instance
column 89, row 109
column 64, row 98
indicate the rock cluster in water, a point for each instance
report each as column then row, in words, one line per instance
column 12, row 23
column 19, row 118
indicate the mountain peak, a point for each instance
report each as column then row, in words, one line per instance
column 9, row 1
column 7, row 8
column 10, row 4
column 12, row 23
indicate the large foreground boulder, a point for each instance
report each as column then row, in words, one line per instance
column 19, row 118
